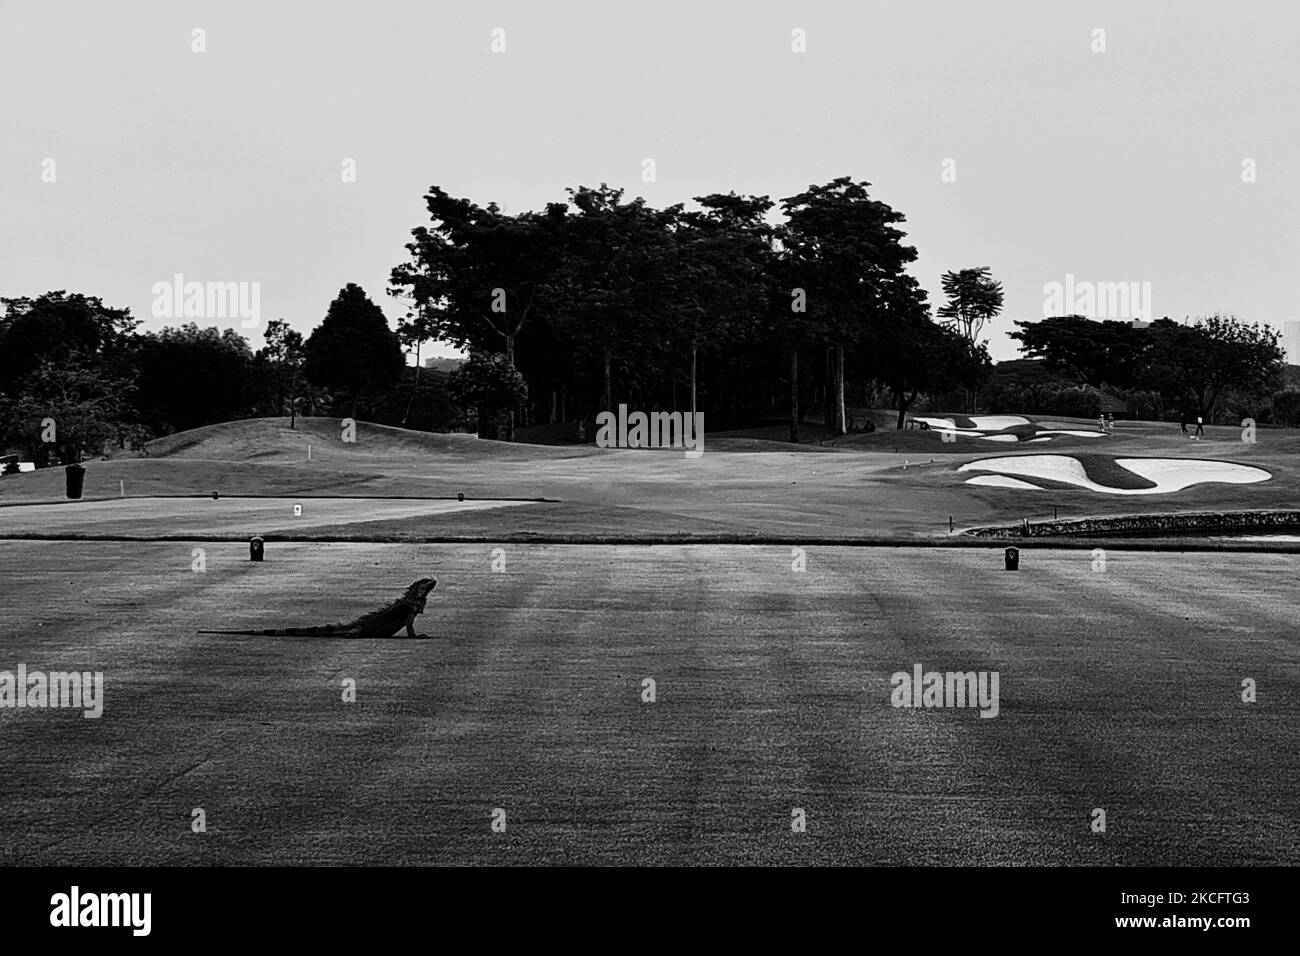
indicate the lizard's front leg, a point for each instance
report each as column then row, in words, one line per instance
column 410, row 630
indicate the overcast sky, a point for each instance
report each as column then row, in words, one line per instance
column 1116, row 166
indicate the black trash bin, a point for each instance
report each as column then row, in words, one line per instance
column 76, row 480
column 1013, row 559
column 256, row 548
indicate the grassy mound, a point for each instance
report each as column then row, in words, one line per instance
column 272, row 440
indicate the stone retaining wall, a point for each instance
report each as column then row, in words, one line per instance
column 1154, row 524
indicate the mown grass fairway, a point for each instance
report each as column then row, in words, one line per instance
column 742, row 486
column 1119, row 689
column 772, row 693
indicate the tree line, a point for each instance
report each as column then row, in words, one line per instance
column 77, row 377
column 600, row 300
column 1218, row 365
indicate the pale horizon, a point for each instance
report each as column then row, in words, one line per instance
column 1123, row 166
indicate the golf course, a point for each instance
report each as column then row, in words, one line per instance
column 636, row 656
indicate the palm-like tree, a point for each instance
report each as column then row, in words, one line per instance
column 974, row 298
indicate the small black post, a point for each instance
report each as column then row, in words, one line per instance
column 255, row 548
column 1053, row 512
column 76, row 477
column 950, row 524
column 460, row 496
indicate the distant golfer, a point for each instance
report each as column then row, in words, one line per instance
column 1101, row 423
column 1182, row 421
column 1110, row 422
column 1200, row 426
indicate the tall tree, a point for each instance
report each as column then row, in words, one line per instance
column 909, row 353
column 786, row 327
column 843, row 249
column 286, row 353
column 613, row 288
column 413, row 330
column 723, row 284
column 354, row 350
column 478, row 276
column 491, row 386
column 1095, row 353
column 56, row 324
column 87, row 404
column 974, row 299
column 190, row 377
column 1195, row 364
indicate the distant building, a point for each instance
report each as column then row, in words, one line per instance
column 1112, row 404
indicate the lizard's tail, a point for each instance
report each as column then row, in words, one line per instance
column 324, row 631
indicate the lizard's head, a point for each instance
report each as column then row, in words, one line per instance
column 418, row 593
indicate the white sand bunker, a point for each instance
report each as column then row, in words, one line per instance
column 1168, row 474
column 993, row 423
column 997, row 423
